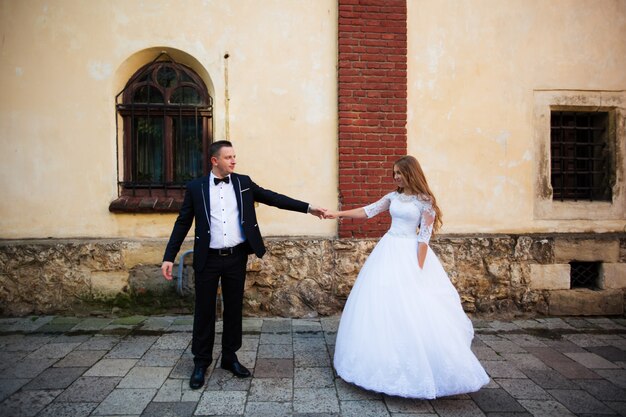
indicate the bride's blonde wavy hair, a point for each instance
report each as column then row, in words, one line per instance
column 416, row 183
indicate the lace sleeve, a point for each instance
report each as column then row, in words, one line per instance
column 378, row 207
column 426, row 223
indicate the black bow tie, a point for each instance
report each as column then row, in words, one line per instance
column 218, row 180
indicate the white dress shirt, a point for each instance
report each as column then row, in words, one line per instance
column 226, row 229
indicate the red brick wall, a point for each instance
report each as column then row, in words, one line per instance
column 372, row 105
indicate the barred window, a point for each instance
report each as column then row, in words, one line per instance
column 581, row 158
column 167, row 123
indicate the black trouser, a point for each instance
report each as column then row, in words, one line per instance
column 232, row 271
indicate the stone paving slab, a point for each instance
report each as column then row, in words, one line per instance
column 313, row 378
column 160, row 357
column 523, row 389
column 311, row 359
column 132, row 347
column 222, row 380
column 315, row 400
column 125, row 401
column 68, row 410
column 178, row 409
column 177, row 341
column 268, row 409
column 579, row 402
column 364, row 408
column 27, row 368
column 222, row 403
column 591, row 360
column 81, row 358
column 139, row 367
column 88, row 389
column 275, row 352
column 9, row 386
column 144, row 377
column 271, row 389
column 20, row 343
column 546, row 408
column 91, row 324
column 100, row 342
column 55, row 378
column 27, row 403
column 111, row 367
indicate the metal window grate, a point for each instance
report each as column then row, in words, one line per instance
column 167, row 113
column 580, row 156
column 584, row 274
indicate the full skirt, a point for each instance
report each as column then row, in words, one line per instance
column 403, row 330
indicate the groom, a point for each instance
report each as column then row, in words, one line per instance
column 226, row 231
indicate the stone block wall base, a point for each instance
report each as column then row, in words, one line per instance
column 586, row 302
column 307, row 277
column 612, row 276
column 550, row 277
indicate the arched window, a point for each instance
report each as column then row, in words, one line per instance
column 166, row 113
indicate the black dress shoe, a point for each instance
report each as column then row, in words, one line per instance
column 197, row 377
column 236, row 368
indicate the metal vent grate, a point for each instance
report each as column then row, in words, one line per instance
column 584, row 274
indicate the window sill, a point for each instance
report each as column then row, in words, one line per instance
column 126, row 204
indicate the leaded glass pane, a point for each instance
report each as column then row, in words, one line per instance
column 148, row 143
column 148, row 94
column 185, row 78
column 187, row 135
column 166, row 77
column 186, row 95
column 144, row 77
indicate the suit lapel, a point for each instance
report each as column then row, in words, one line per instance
column 206, row 196
column 237, row 185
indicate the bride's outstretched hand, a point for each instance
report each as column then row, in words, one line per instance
column 330, row 214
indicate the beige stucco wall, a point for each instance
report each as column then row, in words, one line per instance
column 62, row 63
column 474, row 66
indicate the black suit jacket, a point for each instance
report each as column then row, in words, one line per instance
column 197, row 205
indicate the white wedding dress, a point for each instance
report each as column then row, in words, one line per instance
column 403, row 330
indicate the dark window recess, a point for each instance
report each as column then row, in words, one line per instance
column 581, row 157
column 166, row 113
column 584, row 274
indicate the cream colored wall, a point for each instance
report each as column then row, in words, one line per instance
column 473, row 66
column 63, row 61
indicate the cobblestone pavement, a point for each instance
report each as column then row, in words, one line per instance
column 139, row 366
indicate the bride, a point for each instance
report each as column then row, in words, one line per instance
column 403, row 330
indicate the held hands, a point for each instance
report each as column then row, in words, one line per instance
column 323, row 213
column 318, row 211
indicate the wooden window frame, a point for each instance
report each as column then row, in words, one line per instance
column 165, row 195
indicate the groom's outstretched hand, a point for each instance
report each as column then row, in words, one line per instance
column 317, row 211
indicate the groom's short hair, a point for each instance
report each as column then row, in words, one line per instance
column 215, row 147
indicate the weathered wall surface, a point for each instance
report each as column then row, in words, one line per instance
column 475, row 68
column 472, row 69
column 480, row 75
column 63, row 62
column 310, row 277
